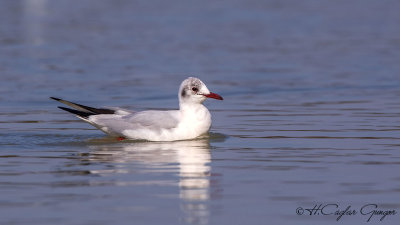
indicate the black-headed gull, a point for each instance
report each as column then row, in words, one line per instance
column 191, row 120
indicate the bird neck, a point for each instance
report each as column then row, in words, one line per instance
column 187, row 107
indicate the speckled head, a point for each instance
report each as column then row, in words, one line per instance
column 193, row 90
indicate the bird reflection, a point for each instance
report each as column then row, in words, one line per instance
column 192, row 157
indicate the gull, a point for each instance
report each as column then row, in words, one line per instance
column 189, row 122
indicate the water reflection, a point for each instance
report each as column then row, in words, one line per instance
column 34, row 13
column 188, row 159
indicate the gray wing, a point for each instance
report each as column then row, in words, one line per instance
column 152, row 120
column 155, row 119
column 115, row 121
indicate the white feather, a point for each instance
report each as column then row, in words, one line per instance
column 191, row 120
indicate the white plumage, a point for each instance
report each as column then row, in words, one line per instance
column 191, row 120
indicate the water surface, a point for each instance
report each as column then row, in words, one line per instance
column 311, row 112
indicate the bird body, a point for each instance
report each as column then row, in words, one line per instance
column 191, row 120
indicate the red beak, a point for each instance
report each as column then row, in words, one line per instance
column 213, row 95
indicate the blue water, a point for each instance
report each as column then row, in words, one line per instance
column 311, row 111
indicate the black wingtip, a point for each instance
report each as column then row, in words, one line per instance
column 76, row 112
column 83, row 108
column 54, row 98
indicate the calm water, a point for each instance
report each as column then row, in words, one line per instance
column 311, row 113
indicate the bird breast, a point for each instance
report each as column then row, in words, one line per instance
column 196, row 120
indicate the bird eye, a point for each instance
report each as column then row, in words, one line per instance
column 195, row 89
